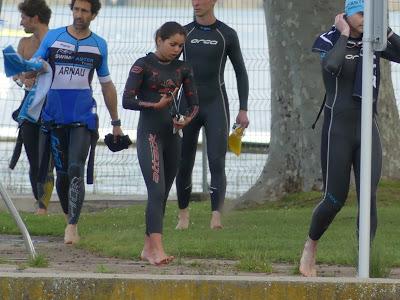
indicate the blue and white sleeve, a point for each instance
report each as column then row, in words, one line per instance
column 103, row 72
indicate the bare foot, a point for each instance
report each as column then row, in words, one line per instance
column 156, row 250
column 163, row 260
column 307, row 261
column 215, row 222
column 71, row 235
column 183, row 217
column 154, row 259
column 147, row 252
column 147, row 256
column 41, row 211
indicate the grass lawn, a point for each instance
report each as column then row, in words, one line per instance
column 273, row 232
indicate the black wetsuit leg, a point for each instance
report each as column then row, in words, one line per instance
column 172, row 153
column 30, row 137
column 158, row 158
column 376, row 168
column 216, row 128
column 70, row 147
column 214, row 116
column 45, row 182
column 340, row 150
column 186, row 164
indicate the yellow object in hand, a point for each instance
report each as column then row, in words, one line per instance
column 235, row 139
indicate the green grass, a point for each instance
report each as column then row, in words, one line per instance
column 3, row 261
column 103, row 269
column 256, row 237
column 39, row 261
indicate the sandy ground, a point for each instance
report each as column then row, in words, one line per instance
column 66, row 258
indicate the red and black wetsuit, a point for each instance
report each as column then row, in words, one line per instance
column 157, row 146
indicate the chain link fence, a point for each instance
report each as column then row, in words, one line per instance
column 128, row 26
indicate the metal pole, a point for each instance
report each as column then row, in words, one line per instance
column 366, row 143
column 18, row 220
column 204, row 160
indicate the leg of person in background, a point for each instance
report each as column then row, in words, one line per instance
column 376, row 168
column 48, row 185
column 184, row 175
column 30, row 137
column 216, row 129
column 45, row 187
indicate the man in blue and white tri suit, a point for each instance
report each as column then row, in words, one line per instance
column 74, row 53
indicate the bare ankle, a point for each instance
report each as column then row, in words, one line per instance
column 183, row 219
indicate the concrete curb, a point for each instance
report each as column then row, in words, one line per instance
column 154, row 287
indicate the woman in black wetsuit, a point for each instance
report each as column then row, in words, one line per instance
column 340, row 50
column 152, row 87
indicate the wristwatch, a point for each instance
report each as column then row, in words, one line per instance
column 116, row 122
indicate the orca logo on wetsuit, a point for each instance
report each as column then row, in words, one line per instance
column 205, row 42
column 350, row 56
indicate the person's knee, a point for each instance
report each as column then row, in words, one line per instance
column 156, row 197
column 75, row 170
column 217, row 165
column 334, row 202
column 62, row 177
column 184, row 168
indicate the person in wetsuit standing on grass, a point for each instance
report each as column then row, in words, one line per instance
column 207, row 47
column 340, row 50
column 151, row 88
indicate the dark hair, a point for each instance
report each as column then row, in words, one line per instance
column 95, row 5
column 169, row 29
column 38, row 8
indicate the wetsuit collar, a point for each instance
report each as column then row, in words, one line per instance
column 76, row 38
column 354, row 42
column 155, row 58
column 207, row 27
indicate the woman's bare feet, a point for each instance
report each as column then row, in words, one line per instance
column 215, row 222
column 71, row 235
column 147, row 254
column 153, row 250
column 307, row 261
column 183, row 219
column 163, row 260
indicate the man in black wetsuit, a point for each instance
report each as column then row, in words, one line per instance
column 207, row 47
column 341, row 58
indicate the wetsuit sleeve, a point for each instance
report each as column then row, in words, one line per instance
column 132, row 87
column 236, row 57
column 102, row 70
column 392, row 51
column 333, row 60
column 190, row 91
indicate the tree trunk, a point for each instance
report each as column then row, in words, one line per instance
column 297, row 92
column 389, row 124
